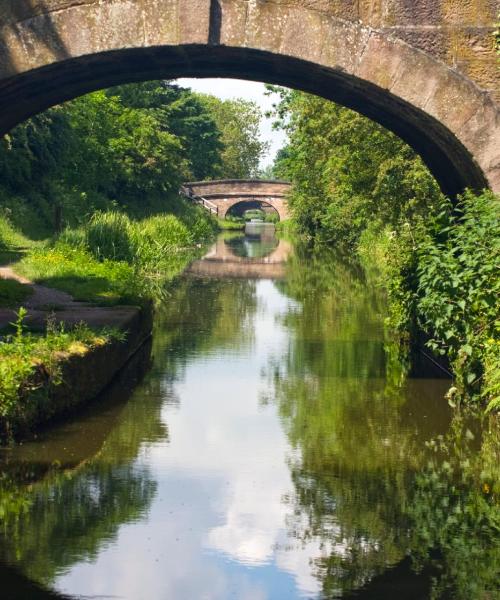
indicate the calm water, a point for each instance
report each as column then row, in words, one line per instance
column 271, row 452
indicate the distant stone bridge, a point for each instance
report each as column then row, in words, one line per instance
column 224, row 195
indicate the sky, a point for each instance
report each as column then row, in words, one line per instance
column 248, row 90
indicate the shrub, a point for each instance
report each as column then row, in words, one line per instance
column 160, row 237
column 200, row 223
column 76, row 238
column 111, row 235
column 459, row 288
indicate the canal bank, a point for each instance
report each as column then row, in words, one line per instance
column 67, row 378
column 74, row 309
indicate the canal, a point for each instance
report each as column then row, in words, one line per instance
column 279, row 447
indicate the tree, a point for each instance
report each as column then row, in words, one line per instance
column 238, row 121
column 181, row 113
column 346, row 169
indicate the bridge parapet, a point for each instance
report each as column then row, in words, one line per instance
column 239, row 187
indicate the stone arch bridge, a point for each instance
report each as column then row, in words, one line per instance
column 425, row 69
column 223, row 195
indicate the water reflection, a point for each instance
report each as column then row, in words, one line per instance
column 358, row 439
column 273, row 451
column 257, row 241
column 255, row 253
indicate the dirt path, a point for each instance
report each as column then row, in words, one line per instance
column 42, row 296
column 46, row 303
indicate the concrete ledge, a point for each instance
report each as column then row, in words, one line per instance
column 83, row 376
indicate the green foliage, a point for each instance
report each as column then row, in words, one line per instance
column 357, row 186
column 271, row 217
column 346, row 171
column 110, row 236
column 180, row 112
column 23, row 353
column 126, row 156
column 127, row 149
column 287, row 229
column 238, row 121
column 458, row 287
column 114, row 259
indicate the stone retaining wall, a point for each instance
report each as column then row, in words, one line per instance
column 83, row 376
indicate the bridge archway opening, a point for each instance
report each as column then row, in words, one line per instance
column 241, row 209
column 49, row 56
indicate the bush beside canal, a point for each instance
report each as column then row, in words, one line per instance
column 442, row 276
column 361, row 189
column 116, row 260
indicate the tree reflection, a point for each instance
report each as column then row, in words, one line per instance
column 358, row 429
column 64, row 498
column 72, row 516
column 200, row 316
column 454, row 512
column 55, row 512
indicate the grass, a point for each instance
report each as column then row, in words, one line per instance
column 78, row 272
column 13, row 293
column 226, row 225
column 116, row 260
column 10, row 238
column 23, row 353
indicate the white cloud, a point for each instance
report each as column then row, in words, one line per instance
column 218, row 514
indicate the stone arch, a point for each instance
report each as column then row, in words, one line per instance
column 55, row 50
column 248, row 204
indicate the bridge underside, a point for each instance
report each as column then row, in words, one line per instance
column 238, row 206
column 55, row 50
